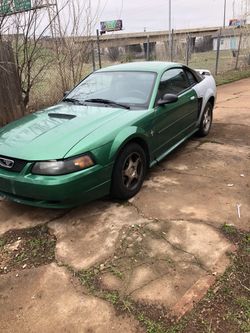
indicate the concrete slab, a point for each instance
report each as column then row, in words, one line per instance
column 203, row 183
column 166, row 261
column 225, row 163
column 167, row 290
column 47, row 299
column 205, row 243
column 15, row 216
column 88, row 235
column 197, row 198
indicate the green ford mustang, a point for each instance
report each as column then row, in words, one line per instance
column 104, row 134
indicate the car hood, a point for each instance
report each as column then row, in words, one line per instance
column 51, row 133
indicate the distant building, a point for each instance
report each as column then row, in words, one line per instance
column 230, row 38
column 237, row 22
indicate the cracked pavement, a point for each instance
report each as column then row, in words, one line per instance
column 163, row 248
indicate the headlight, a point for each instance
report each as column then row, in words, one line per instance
column 62, row 167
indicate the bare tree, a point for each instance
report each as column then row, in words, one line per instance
column 113, row 53
column 73, row 41
column 26, row 32
column 51, row 38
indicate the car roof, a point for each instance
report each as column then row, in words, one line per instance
column 148, row 66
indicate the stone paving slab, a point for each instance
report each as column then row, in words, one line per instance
column 88, row 235
column 162, row 260
column 196, row 198
column 15, row 216
column 47, row 299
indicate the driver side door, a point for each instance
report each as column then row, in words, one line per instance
column 175, row 120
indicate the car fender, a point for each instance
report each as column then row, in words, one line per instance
column 126, row 135
column 205, row 90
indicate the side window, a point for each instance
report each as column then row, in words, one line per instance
column 173, row 81
column 191, row 78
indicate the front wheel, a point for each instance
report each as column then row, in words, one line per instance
column 206, row 120
column 129, row 172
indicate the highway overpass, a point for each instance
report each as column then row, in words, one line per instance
column 126, row 39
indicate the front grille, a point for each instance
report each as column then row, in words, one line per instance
column 17, row 166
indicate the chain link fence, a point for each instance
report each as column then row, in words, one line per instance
column 71, row 58
column 225, row 50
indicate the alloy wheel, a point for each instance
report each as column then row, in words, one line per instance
column 207, row 119
column 132, row 171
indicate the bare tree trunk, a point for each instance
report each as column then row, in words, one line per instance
column 11, row 104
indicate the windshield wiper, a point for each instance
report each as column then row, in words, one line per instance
column 73, row 100
column 107, row 101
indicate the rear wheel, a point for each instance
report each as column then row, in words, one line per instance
column 129, row 172
column 206, row 120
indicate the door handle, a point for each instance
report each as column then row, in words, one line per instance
column 192, row 98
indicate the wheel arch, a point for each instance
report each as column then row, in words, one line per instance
column 141, row 142
column 211, row 100
column 133, row 135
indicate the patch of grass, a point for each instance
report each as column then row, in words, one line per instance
column 150, row 325
column 36, row 243
column 226, row 307
column 170, row 261
column 127, row 305
column 87, row 278
column 210, row 294
column 244, row 303
column 246, row 241
column 116, row 272
column 177, row 328
column 231, row 76
column 149, row 319
column 20, row 257
column 32, row 247
column 229, row 229
column 112, row 297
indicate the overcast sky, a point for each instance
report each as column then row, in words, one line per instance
column 153, row 14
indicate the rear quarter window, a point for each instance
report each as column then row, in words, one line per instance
column 191, row 78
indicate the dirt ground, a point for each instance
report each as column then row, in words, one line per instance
column 109, row 267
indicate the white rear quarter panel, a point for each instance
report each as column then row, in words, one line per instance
column 205, row 90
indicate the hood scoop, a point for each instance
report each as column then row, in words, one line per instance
column 61, row 116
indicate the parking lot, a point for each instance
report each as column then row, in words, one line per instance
column 163, row 249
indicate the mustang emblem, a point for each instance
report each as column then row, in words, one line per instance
column 6, row 163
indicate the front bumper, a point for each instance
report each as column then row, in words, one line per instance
column 56, row 191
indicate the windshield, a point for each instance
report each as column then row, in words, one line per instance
column 132, row 89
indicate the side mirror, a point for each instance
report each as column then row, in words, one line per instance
column 65, row 93
column 167, row 99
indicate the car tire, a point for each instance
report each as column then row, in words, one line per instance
column 206, row 120
column 129, row 172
